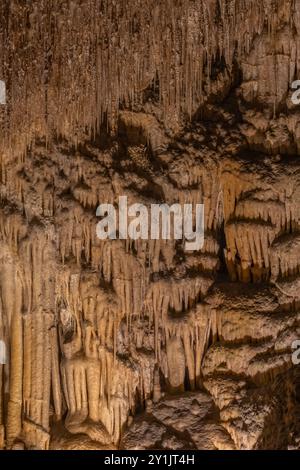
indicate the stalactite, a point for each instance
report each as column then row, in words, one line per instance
column 55, row 374
column 14, row 413
column 141, row 56
column 109, row 98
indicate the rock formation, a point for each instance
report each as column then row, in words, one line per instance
column 141, row 344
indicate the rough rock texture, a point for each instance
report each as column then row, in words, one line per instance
column 123, row 344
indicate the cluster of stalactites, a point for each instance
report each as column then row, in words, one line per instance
column 69, row 65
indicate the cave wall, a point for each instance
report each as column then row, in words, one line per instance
column 140, row 344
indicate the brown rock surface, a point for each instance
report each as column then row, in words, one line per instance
column 141, row 344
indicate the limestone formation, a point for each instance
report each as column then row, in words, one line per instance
column 140, row 344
